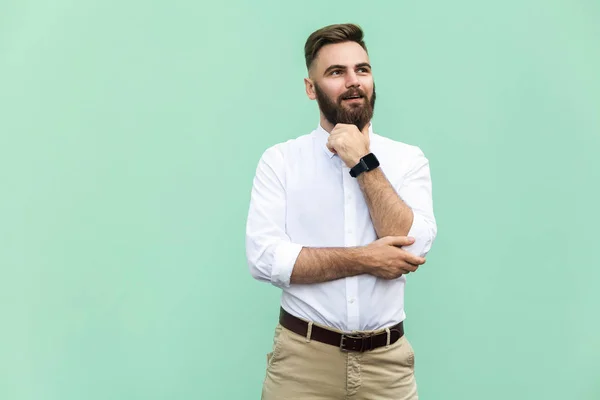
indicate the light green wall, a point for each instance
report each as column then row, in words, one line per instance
column 129, row 135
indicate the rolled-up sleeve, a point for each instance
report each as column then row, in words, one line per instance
column 270, row 253
column 416, row 191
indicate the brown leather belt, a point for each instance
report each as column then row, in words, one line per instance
column 356, row 341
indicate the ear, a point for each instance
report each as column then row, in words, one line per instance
column 310, row 88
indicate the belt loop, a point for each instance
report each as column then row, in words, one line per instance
column 309, row 331
column 387, row 344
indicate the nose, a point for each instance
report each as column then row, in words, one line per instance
column 352, row 80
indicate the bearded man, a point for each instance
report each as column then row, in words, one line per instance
column 338, row 218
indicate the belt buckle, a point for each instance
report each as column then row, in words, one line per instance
column 342, row 344
column 358, row 336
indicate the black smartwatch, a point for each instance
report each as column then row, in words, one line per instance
column 367, row 163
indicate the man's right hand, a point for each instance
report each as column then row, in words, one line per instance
column 388, row 261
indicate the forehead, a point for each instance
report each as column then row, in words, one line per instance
column 347, row 54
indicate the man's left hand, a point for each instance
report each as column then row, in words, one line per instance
column 349, row 143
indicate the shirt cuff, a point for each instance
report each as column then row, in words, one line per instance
column 283, row 263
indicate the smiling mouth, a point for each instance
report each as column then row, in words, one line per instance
column 350, row 98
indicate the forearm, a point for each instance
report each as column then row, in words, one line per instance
column 315, row 265
column 390, row 215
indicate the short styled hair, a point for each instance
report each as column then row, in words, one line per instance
column 331, row 34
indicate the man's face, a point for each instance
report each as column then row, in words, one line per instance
column 342, row 83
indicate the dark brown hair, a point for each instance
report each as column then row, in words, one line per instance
column 337, row 33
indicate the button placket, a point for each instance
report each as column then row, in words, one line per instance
column 350, row 240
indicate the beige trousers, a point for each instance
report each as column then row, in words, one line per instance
column 309, row 370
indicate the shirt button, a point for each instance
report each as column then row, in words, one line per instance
column 350, row 231
column 351, row 300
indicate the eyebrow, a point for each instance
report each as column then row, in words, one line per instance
column 338, row 66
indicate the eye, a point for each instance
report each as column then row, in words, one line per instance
column 336, row 72
column 363, row 70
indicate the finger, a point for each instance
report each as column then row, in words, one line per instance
column 401, row 240
column 416, row 260
column 408, row 267
column 395, row 274
column 336, row 130
column 340, row 125
column 336, row 134
column 332, row 144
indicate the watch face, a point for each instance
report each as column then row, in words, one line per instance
column 366, row 163
column 371, row 161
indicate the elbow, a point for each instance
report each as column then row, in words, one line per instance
column 253, row 259
column 262, row 263
column 272, row 262
column 429, row 236
column 257, row 274
column 424, row 231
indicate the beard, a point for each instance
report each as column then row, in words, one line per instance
column 359, row 113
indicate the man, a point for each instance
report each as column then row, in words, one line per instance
column 337, row 219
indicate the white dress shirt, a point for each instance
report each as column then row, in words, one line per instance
column 303, row 195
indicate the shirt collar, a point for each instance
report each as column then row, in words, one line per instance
column 322, row 137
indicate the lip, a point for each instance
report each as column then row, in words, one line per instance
column 358, row 99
